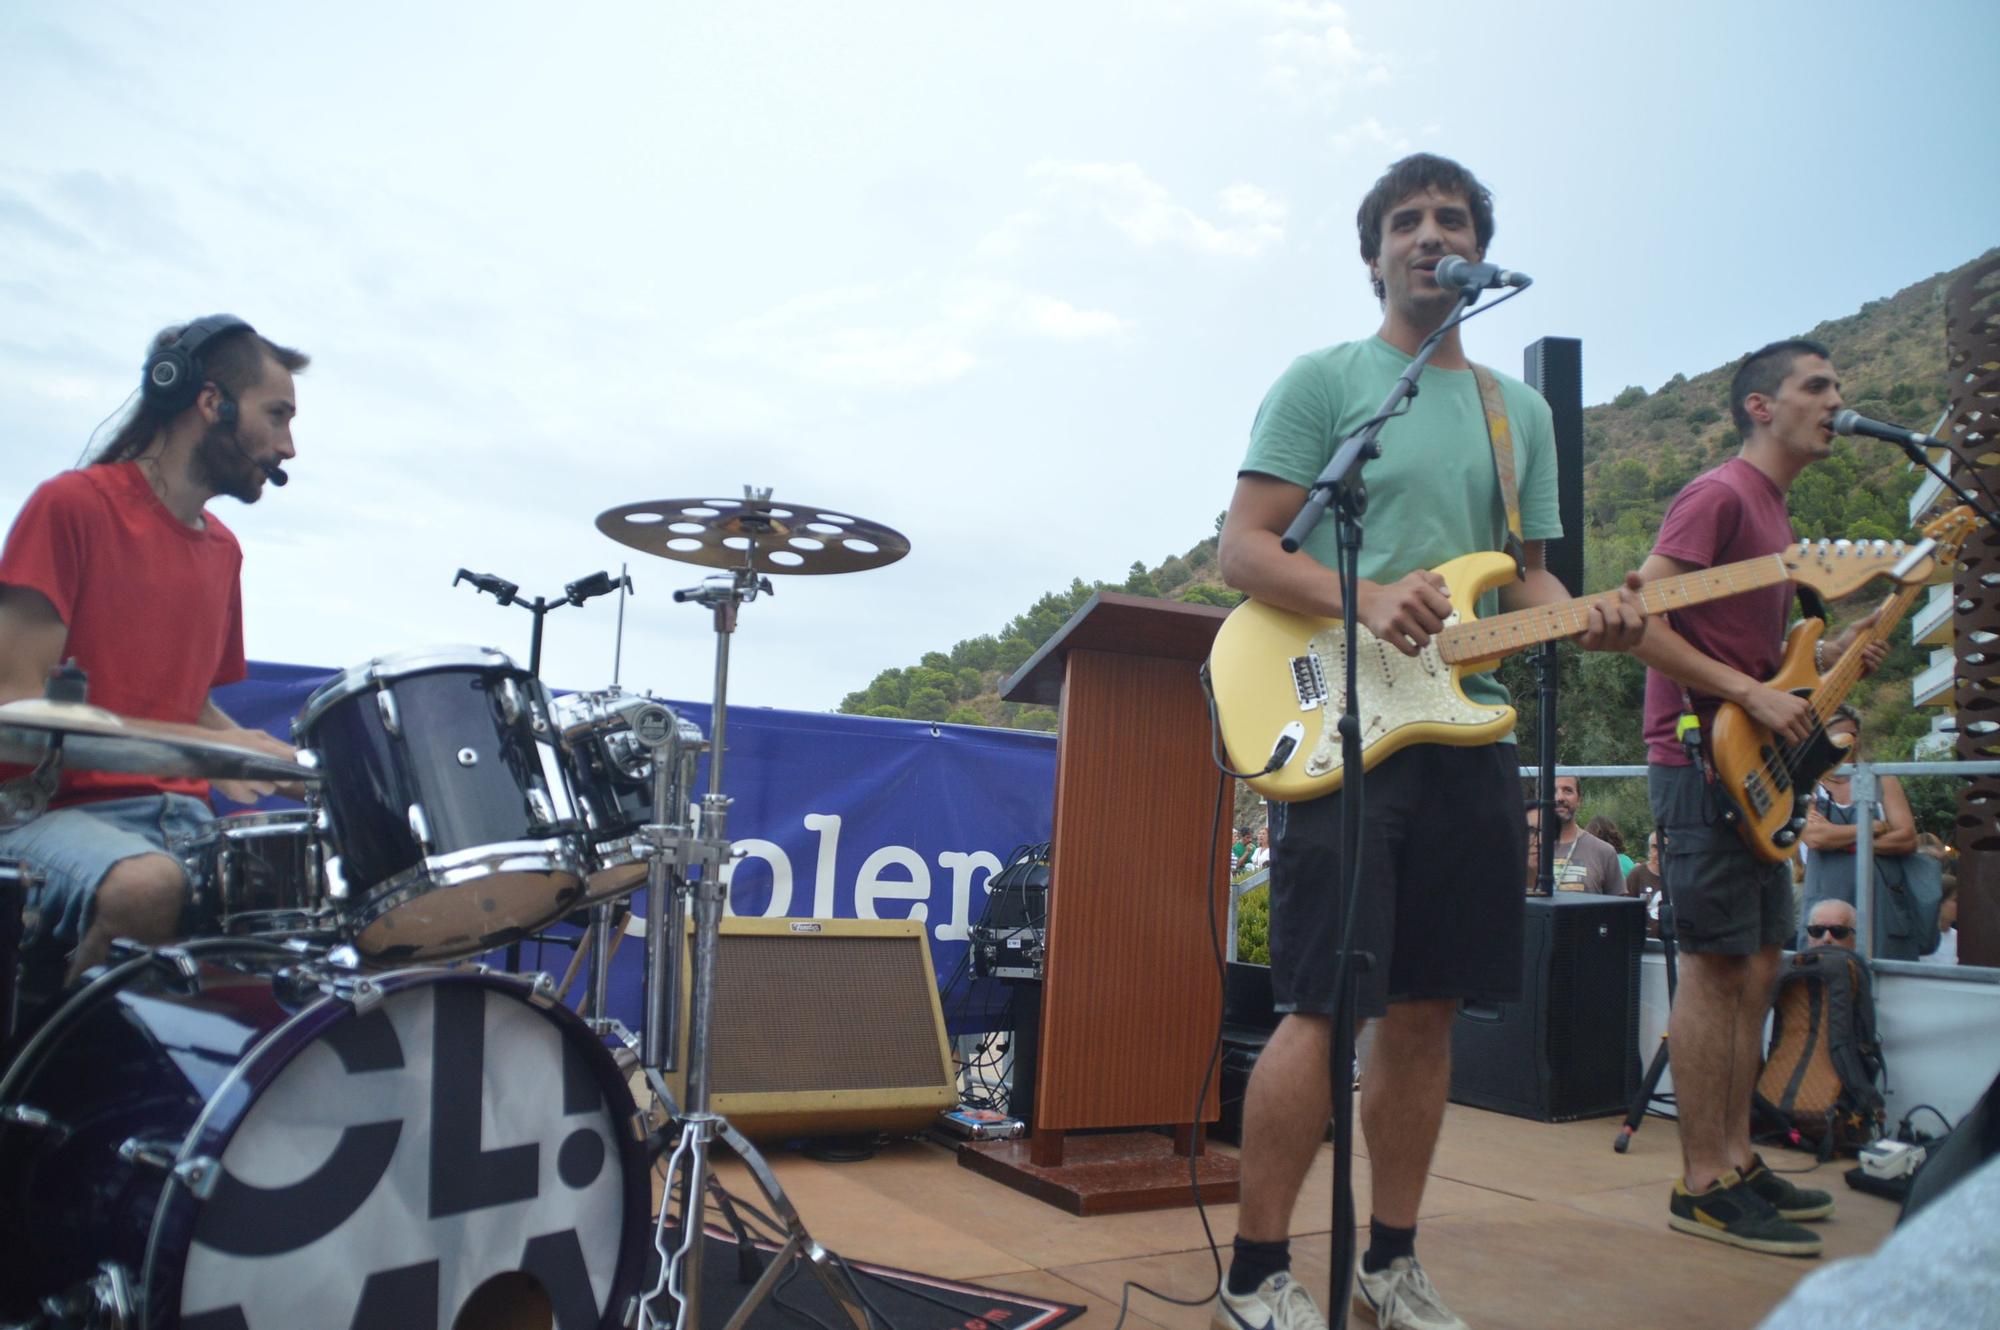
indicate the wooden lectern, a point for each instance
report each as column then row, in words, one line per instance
column 1131, row 998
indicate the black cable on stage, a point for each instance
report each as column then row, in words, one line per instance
column 1201, row 1097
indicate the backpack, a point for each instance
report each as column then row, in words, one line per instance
column 1820, row 1080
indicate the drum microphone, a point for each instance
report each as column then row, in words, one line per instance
column 597, row 584
column 1853, row 422
column 497, row 587
column 1457, row 274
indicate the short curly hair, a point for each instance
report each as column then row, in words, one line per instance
column 1413, row 175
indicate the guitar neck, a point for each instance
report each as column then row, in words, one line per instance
column 1517, row 630
column 1838, row 682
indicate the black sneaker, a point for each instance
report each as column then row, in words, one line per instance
column 1731, row 1211
column 1794, row 1203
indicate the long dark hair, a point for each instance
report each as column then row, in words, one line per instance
column 233, row 362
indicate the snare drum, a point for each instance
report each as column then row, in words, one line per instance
column 257, row 875
column 447, row 806
column 236, row 1134
column 611, row 773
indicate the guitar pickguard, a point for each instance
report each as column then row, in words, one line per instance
column 1394, row 691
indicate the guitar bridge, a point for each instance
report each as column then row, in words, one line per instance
column 1309, row 681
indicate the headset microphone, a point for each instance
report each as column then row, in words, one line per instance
column 225, row 413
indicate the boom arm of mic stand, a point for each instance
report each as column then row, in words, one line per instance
column 1923, row 459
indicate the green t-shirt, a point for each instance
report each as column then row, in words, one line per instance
column 1432, row 494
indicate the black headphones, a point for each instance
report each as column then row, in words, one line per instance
column 174, row 373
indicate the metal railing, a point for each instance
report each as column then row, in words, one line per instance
column 1865, row 786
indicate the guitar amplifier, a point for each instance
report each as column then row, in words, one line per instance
column 1569, row 1048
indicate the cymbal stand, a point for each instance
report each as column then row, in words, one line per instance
column 690, row 865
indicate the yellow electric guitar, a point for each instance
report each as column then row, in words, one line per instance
column 1771, row 781
column 1276, row 676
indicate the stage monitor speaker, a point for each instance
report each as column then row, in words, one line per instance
column 1569, row 1048
column 1553, row 366
column 824, row 1027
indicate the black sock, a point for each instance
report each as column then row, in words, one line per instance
column 1255, row 1262
column 1385, row 1243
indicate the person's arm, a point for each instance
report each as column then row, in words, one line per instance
column 1896, row 833
column 215, row 724
column 32, row 637
column 1404, row 613
column 1667, row 651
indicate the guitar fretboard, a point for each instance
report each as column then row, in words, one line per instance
column 1504, row 634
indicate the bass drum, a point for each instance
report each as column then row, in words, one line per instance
column 233, row 1135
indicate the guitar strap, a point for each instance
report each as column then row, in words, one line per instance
column 1500, row 435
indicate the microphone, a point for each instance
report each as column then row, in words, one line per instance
column 1853, row 422
column 497, row 587
column 225, row 413
column 1457, row 274
column 274, row 473
column 584, row 588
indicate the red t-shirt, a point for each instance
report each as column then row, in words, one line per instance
column 1726, row 515
column 154, row 608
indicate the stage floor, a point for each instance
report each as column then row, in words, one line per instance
column 1525, row 1226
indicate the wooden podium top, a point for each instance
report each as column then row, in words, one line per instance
column 1114, row 621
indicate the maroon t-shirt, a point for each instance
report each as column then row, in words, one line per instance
column 153, row 607
column 1727, row 515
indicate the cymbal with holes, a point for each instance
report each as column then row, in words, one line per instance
column 768, row 535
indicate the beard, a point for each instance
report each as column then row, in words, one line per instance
column 223, row 465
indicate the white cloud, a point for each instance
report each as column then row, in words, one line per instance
column 1131, row 202
column 1368, row 132
column 914, row 334
column 1313, row 56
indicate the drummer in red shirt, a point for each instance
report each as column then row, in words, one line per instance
column 119, row 567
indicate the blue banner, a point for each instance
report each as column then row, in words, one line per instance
column 846, row 817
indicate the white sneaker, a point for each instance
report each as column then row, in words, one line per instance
column 1402, row 1297
column 1279, row 1303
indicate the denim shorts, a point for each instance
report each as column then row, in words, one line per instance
column 71, row 849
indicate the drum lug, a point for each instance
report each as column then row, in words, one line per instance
column 542, row 991
column 199, row 1175
column 34, row 1119
column 509, row 695
column 392, row 719
column 420, row 827
column 102, row 1303
column 360, row 994
column 153, row 1154
column 540, row 805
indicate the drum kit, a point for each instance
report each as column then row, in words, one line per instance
column 316, row 1110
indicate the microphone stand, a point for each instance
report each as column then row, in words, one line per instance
column 1547, row 675
column 1339, row 486
column 1922, row 458
column 577, row 592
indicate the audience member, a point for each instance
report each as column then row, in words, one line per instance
column 1831, row 923
column 1830, row 836
column 1260, row 857
column 1607, row 831
column 1239, row 851
column 1582, row 861
column 1947, row 947
column 1644, row 882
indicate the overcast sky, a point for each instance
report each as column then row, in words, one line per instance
column 1011, row 279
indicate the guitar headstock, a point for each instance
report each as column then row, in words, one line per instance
column 1951, row 529
column 1837, row 568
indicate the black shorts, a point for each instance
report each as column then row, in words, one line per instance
column 1443, row 873
column 1727, row 901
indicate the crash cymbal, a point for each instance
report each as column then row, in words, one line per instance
column 770, row 536
column 94, row 739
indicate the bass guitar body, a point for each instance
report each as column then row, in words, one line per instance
column 1277, row 678
column 1771, row 781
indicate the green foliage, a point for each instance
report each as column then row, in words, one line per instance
column 1209, row 593
column 1253, row 927
column 1631, row 397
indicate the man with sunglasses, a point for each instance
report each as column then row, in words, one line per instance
column 1833, row 922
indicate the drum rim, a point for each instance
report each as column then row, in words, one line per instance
column 536, row 990
column 554, row 855
column 396, row 665
column 265, row 819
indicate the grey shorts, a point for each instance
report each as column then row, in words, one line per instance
column 1727, row 901
column 71, row 849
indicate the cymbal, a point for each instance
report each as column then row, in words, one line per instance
column 94, row 739
column 770, row 536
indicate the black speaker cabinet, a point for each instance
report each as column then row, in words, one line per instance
column 1553, row 366
column 1570, row 1047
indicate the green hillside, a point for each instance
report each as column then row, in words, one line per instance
column 1640, row 448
